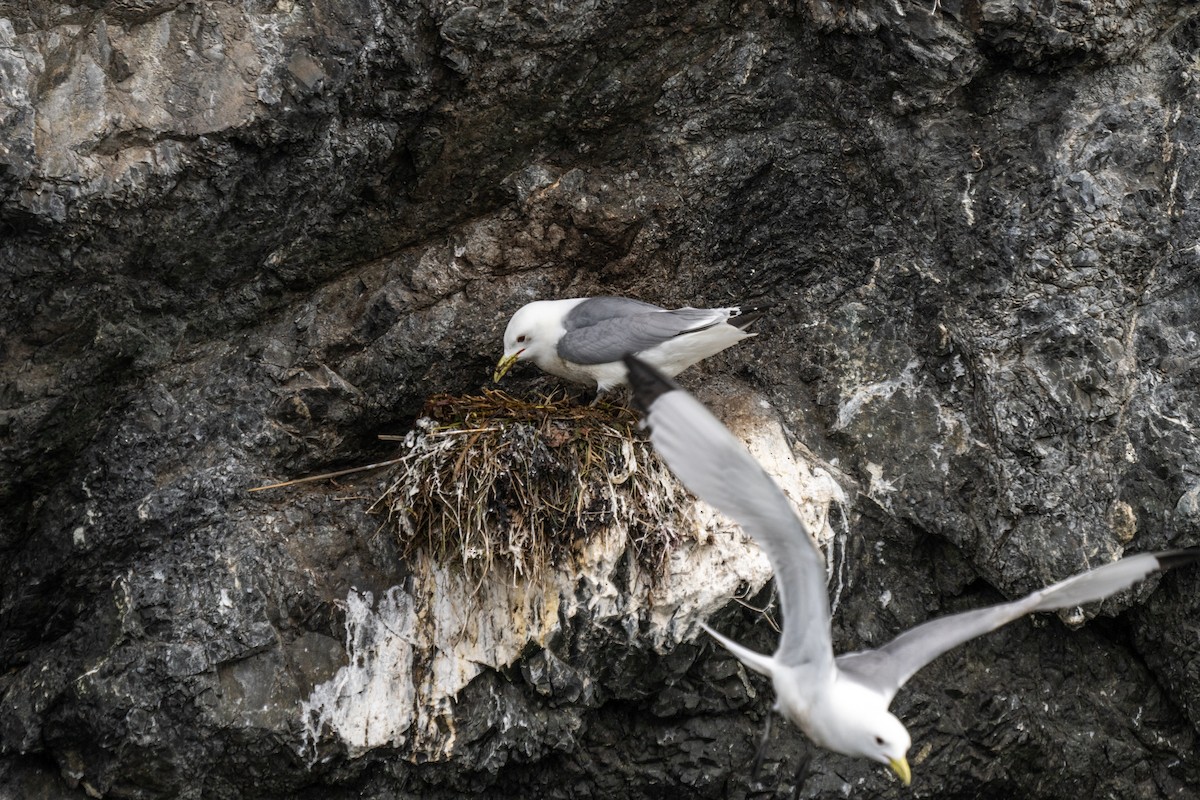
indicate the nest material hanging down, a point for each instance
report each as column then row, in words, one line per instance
column 494, row 479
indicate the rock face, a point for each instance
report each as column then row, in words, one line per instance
column 239, row 241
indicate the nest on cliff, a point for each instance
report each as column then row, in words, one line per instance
column 496, row 480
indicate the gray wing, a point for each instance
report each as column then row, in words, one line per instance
column 717, row 468
column 603, row 329
column 889, row 667
column 597, row 309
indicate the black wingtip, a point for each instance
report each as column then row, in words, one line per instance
column 647, row 383
column 749, row 314
column 1171, row 559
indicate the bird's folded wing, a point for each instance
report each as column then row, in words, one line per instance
column 889, row 667
column 717, row 468
column 596, row 309
column 609, row 339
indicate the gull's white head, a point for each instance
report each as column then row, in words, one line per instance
column 883, row 738
column 846, row 717
column 532, row 332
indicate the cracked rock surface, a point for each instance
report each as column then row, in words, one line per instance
column 239, row 241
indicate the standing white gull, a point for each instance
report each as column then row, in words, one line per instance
column 840, row 703
column 583, row 339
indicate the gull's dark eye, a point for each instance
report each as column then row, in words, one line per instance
column 521, row 338
column 879, row 740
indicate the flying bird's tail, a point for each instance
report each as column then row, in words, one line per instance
column 745, row 315
column 764, row 665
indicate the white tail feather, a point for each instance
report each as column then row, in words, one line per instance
column 756, row 661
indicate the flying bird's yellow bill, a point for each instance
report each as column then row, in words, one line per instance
column 504, row 366
column 900, row 767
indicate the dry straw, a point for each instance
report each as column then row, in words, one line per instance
column 495, row 480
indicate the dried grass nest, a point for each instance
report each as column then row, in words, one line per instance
column 496, row 480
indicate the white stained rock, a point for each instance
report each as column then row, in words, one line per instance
column 413, row 649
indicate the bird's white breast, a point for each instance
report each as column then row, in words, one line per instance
column 836, row 716
column 603, row 375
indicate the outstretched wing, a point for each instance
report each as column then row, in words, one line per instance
column 889, row 667
column 718, row 469
column 602, row 329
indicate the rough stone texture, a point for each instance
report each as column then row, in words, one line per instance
column 238, row 241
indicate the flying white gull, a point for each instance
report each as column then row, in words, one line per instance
column 582, row 339
column 840, row 703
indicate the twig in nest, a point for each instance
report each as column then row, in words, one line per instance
column 327, row 475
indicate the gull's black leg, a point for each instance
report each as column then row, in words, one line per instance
column 621, row 396
column 762, row 748
column 616, row 396
column 802, row 772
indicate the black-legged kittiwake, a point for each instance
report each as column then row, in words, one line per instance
column 582, row 339
column 840, row 703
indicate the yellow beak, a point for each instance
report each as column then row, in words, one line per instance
column 900, row 767
column 505, row 365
